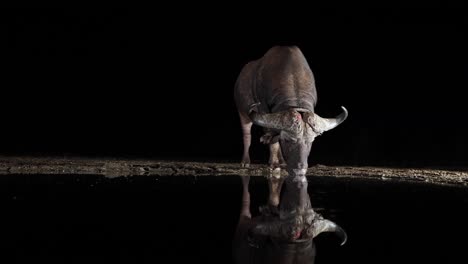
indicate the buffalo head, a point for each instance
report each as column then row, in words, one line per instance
column 296, row 130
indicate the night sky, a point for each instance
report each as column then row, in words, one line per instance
column 131, row 83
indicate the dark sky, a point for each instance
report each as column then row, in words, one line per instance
column 129, row 83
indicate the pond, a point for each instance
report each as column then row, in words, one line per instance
column 185, row 219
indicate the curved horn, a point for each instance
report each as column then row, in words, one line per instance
column 289, row 120
column 324, row 225
column 320, row 124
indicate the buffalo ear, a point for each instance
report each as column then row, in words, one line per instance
column 275, row 139
column 269, row 138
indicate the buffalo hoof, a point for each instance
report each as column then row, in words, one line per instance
column 274, row 172
column 274, row 168
column 277, row 165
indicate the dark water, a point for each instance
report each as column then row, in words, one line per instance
column 143, row 219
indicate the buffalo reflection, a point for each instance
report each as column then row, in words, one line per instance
column 283, row 232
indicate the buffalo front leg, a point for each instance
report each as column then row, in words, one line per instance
column 246, row 125
column 276, row 157
column 242, row 251
column 275, row 182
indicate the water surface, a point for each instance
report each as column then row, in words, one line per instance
column 183, row 219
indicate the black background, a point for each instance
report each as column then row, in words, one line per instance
column 158, row 83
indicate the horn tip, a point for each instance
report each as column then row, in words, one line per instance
column 343, row 235
column 345, row 239
column 345, row 112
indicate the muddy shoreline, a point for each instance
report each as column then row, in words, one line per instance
column 130, row 167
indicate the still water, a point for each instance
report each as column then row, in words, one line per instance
column 181, row 219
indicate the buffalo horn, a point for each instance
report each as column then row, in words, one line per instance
column 320, row 124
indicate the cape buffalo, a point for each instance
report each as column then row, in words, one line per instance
column 278, row 93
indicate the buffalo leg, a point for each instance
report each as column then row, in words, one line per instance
column 241, row 249
column 246, row 125
column 245, row 208
column 276, row 158
column 274, row 186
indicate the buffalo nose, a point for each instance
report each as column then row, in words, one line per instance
column 300, row 172
column 302, row 165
